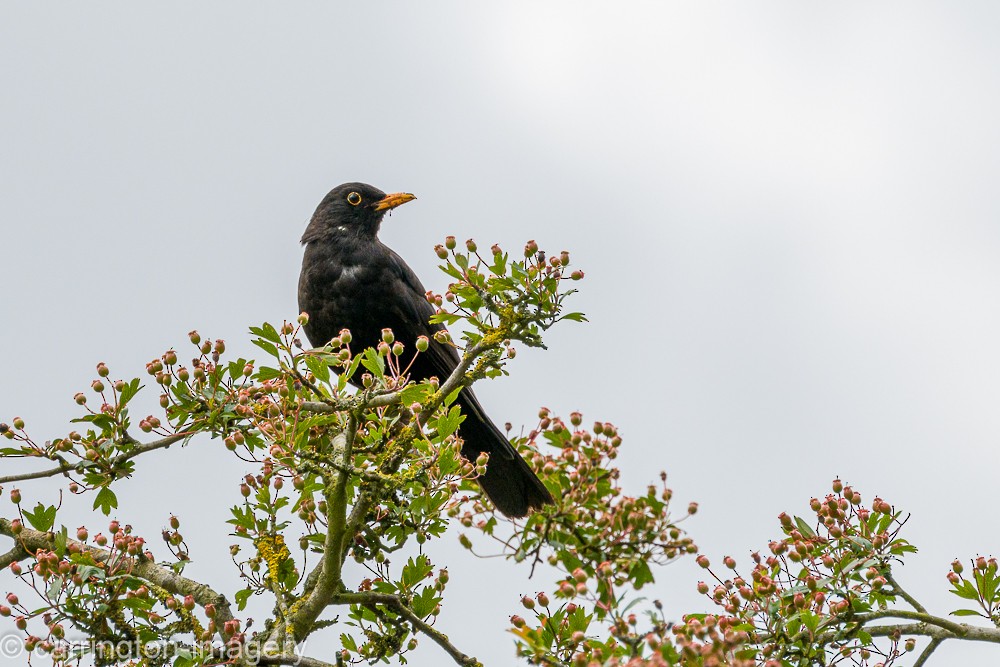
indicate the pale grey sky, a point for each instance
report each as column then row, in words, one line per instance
column 787, row 213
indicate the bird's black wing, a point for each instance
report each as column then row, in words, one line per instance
column 413, row 309
column 509, row 481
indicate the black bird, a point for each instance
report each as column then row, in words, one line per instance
column 351, row 280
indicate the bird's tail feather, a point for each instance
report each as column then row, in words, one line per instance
column 508, row 481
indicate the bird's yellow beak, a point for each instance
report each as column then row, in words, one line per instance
column 392, row 201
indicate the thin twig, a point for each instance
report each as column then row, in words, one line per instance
column 395, row 604
column 140, row 448
column 899, row 590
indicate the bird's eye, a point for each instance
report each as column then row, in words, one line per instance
column 354, row 199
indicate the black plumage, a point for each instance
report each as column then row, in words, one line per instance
column 351, row 280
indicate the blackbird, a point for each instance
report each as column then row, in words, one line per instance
column 351, row 280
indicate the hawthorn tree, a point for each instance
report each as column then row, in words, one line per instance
column 372, row 476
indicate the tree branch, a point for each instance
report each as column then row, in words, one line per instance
column 295, row 660
column 902, row 592
column 341, row 528
column 395, row 604
column 936, row 630
column 63, row 468
column 18, row 553
column 329, row 567
column 956, row 629
column 144, row 568
column 926, row 653
column 455, row 380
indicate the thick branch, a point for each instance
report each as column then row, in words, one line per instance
column 936, row 630
column 295, row 660
column 395, row 604
column 33, row 540
column 63, row 468
column 455, row 380
column 329, row 567
column 956, row 629
column 378, row 401
column 18, row 553
column 340, row 531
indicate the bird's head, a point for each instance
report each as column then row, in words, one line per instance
column 352, row 208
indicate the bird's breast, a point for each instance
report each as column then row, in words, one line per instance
column 339, row 293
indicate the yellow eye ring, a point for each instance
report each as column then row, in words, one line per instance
column 354, row 199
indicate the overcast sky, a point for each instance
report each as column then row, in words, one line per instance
column 787, row 213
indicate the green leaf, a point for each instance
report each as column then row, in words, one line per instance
column 61, row 539
column 101, row 421
column 87, row 572
column 804, row 528
column 424, row 603
column 270, row 348
column 106, row 500
column 265, row 373
column 415, row 393
column 129, row 391
column 967, row 612
column 266, row 331
column 448, row 424
column 373, row 362
column 575, row 317
column 415, row 571
column 241, row 598
column 966, row 591
column 453, row 396
column 43, row 518
column 640, row 574
column 184, row 658
column 318, row 368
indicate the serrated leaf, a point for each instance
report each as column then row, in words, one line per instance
column 373, row 362
column 449, row 423
column 43, row 518
column 129, row 391
column 318, row 368
column 106, row 500
column 424, row 603
column 266, row 331
column 966, row 591
column 415, row 393
column 242, row 596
